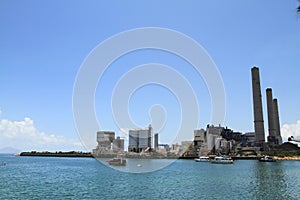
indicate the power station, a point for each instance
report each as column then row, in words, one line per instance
column 214, row 140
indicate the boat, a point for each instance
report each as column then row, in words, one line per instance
column 202, row 159
column 222, row 160
column 118, row 161
column 267, row 159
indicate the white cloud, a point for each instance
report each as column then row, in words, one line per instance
column 23, row 135
column 288, row 130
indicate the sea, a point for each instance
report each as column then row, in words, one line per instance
column 87, row 178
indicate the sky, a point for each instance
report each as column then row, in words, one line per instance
column 44, row 45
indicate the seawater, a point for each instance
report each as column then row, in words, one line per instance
column 87, row 178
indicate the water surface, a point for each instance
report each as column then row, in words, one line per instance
column 87, row 178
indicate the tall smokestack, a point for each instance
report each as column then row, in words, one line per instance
column 257, row 108
column 276, row 122
column 271, row 115
column 156, row 141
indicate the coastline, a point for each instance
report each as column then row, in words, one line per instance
column 74, row 154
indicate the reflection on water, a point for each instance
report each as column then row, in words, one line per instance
column 270, row 182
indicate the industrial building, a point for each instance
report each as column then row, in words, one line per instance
column 248, row 139
column 215, row 139
column 118, row 145
column 200, row 142
column 105, row 139
column 140, row 140
column 107, row 142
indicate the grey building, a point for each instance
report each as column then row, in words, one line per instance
column 140, row 140
column 105, row 140
column 216, row 139
column 205, row 140
column 118, row 145
column 200, row 142
column 248, row 139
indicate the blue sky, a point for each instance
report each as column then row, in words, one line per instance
column 44, row 43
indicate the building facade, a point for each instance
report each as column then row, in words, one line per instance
column 140, row 140
column 105, row 140
column 118, row 145
column 249, row 139
column 107, row 143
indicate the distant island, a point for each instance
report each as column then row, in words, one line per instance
column 76, row 154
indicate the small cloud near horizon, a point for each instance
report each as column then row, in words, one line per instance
column 25, row 136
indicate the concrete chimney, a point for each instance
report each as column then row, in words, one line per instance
column 257, row 108
column 277, row 122
column 156, row 141
column 271, row 115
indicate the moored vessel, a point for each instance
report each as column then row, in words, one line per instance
column 118, row 161
column 267, row 159
column 222, row 160
column 202, row 159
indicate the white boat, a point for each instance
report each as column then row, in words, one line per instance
column 222, row 160
column 202, row 159
column 267, row 159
